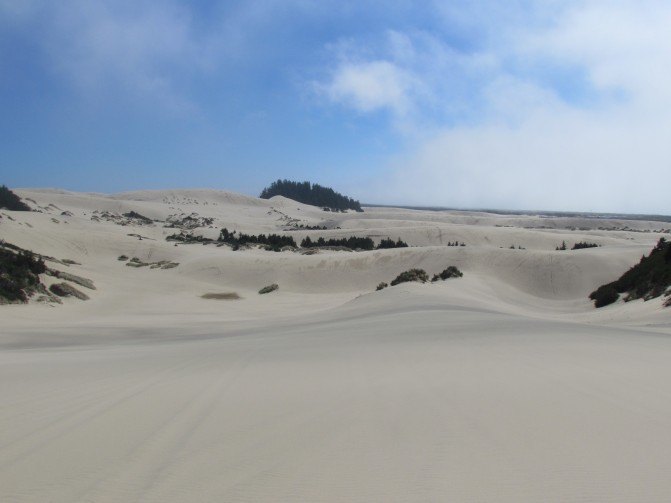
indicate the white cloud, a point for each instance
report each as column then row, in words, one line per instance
column 371, row 86
column 136, row 49
column 407, row 74
column 569, row 114
column 132, row 47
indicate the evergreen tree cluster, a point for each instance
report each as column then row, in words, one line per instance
column 390, row 243
column 584, row 244
column 577, row 246
column 353, row 243
column 648, row 279
column 19, row 271
column 10, row 201
column 274, row 242
column 311, row 193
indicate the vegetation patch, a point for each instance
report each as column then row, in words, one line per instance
column 381, row 286
column 269, row 288
column 136, row 262
column 221, row 296
column 411, row 275
column 19, row 273
column 188, row 222
column 67, row 290
column 648, row 279
column 353, row 243
column 131, row 218
column 161, row 264
column 450, row 272
column 584, row 244
column 133, row 215
column 189, row 238
column 577, row 246
column 86, row 283
column 390, row 243
column 10, row 201
column 311, row 193
column 274, row 242
column 310, row 227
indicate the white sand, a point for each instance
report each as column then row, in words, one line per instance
column 504, row 385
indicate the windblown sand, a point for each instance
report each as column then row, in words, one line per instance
column 503, row 385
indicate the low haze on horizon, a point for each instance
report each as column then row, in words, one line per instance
column 557, row 105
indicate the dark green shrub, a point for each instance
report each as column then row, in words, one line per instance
column 648, row 279
column 11, row 201
column 604, row 295
column 381, row 286
column 450, row 272
column 18, row 273
column 584, row 244
column 411, row 275
column 67, row 290
column 268, row 289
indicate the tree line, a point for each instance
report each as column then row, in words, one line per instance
column 354, row 243
column 276, row 242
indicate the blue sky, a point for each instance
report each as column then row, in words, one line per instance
column 521, row 104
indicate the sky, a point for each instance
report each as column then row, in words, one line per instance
column 523, row 104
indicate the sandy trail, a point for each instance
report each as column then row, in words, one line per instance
column 474, row 407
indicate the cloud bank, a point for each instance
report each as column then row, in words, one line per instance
column 563, row 111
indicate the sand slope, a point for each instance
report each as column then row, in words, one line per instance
column 504, row 385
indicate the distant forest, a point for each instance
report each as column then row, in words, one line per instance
column 11, row 201
column 311, row 193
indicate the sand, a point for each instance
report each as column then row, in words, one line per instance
column 503, row 385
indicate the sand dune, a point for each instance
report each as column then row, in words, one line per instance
column 503, row 385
